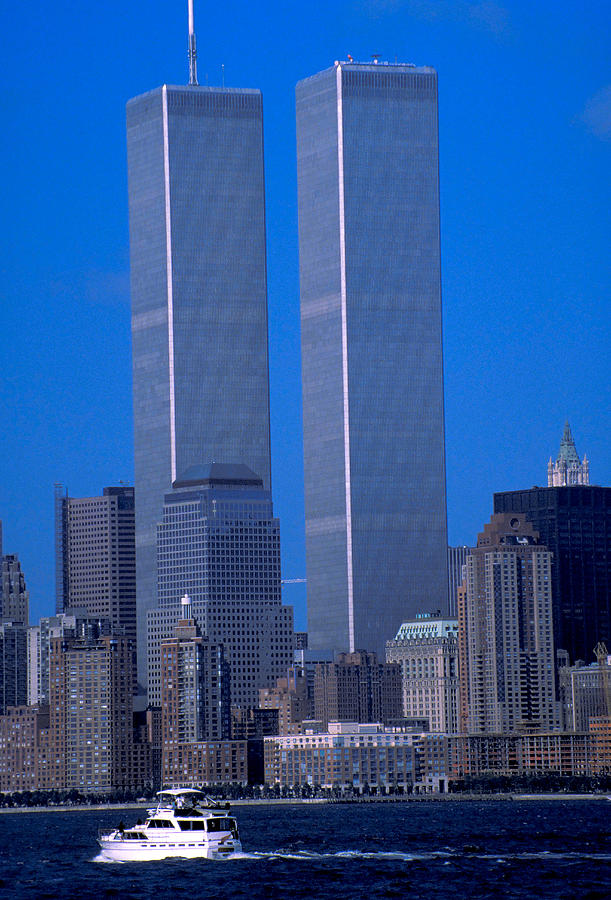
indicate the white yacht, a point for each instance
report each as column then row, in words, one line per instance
column 184, row 823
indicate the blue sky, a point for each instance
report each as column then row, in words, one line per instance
column 525, row 134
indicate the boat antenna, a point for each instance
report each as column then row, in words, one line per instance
column 192, row 47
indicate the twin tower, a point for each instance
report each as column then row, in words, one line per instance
column 367, row 152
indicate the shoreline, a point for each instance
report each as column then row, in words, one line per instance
column 418, row 798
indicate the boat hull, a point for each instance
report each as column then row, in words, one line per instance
column 149, row 851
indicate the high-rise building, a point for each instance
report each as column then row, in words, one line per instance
column 95, row 562
column 13, row 665
column 508, row 674
column 14, row 597
column 584, row 693
column 291, row 698
column 427, row 651
column 357, row 688
column 373, row 419
column 457, row 557
column 194, row 686
column 72, row 623
column 195, row 705
column 574, row 523
column 199, row 297
column 568, row 468
column 91, row 713
column 219, row 542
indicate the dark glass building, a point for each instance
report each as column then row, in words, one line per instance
column 199, row 297
column 373, row 419
column 574, row 522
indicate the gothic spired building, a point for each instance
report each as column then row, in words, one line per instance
column 367, row 161
column 199, row 297
column 568, row 468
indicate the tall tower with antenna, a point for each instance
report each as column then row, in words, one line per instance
column 192, row 47
column 199, row 296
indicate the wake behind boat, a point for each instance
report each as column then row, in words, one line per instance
column 185, row 823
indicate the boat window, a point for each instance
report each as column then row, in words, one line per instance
column 160, row 823
column 192, row 826
column 221, row 825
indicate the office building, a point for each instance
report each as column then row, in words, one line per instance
column 373, row 419
column 427, row 651
column 219, row 543
column 509, row 678
column 13, row 665
column 457, row 557
column 95, row 563
column 568, row 468
column 357, row 688
column 574, row 523
column 14, row 599
column 199, row 297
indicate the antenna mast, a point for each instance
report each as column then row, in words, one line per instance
column 192, row 48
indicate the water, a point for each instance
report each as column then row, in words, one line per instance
column 550, row 848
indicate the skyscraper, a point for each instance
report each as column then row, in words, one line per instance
column 457, row 557
column 507, row 674
column 427, row 650
column 574, row 522
column 367, row 159
column 199, row 296
column 219, row 542
column 95, row 557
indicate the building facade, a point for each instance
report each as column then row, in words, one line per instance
column 14, row 600
column 574, row 523
column 373, row 419
column 292, row 700
column 357, row 688
column 584, row 693
column 509, row 676
column 568, row 468
column 357, row 756
column 91, row 714
column 95, row 563
column 219, row 542
column 71, row 623
column 199, row 297
column 13, row 665
column 427, row 651
column 457, row 557
column 194, row 687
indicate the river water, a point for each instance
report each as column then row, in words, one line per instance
column 520, row 848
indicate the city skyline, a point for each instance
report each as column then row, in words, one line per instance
column 524, row 229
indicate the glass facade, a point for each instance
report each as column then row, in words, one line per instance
column 574, row 522
column 219, row 542
column 367, row 150
column 199, row 297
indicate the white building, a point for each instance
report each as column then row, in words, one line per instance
column 427, row 649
